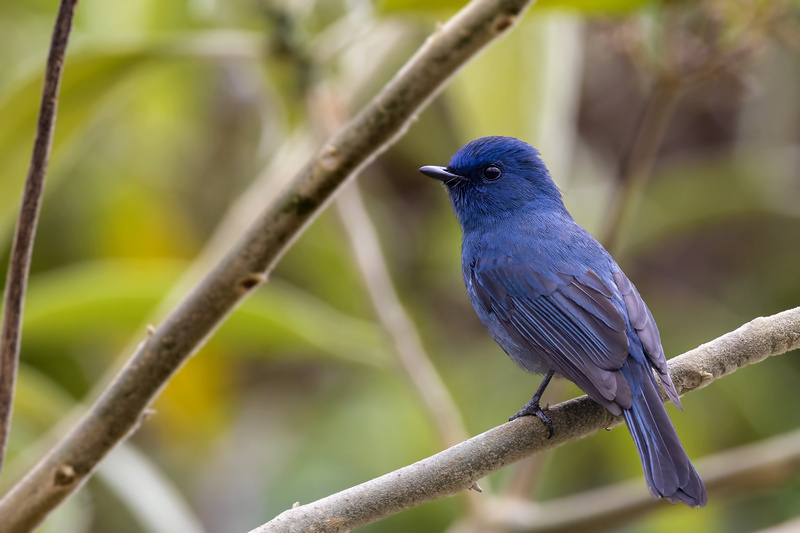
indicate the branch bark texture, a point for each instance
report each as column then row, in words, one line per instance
column 20, row 259
column 119, row 409
column 457, row 468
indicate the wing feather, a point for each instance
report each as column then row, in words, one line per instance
column 568, row 321
column 644, row 323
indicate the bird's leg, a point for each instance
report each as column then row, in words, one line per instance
column 533, row 408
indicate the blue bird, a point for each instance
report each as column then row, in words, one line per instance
column 553, row 298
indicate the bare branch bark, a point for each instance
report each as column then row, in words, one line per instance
column 457, row 468
column 120, row 408
column 20, row 260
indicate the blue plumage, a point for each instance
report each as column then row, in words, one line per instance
column 557, row 303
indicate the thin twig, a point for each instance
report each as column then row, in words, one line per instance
column 411, row 354
column 20, row 260
column 118, row 411
column 760, row 464
column 684, row 68
column 395, row 320
column 639, row 163
column 457, row 468
column 329, row 112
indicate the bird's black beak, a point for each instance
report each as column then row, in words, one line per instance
column 440, row 173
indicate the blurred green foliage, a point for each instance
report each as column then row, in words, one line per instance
column 169, row 110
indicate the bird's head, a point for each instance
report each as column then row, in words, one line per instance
column 494, row 177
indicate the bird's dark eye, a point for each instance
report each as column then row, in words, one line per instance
column 492, row 172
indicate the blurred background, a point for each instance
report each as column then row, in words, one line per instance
column 673, row 129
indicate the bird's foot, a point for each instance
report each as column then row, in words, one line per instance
column 534, row 409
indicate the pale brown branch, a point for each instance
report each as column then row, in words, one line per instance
column 395, row 320
column 120, row 408
column 20, row 260
column 457, row 468
column 411, row 355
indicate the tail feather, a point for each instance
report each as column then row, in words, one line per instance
column 667, row 469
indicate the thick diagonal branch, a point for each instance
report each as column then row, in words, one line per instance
column 118, row 410
column 20, row 260
column 457, row 468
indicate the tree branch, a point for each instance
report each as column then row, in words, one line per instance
column 457, row 468
column 411, row 355
column 20, row 260
column 395, row 320
column 120, row 408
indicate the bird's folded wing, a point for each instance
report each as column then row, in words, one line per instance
column 645, row 325
column 569, row 322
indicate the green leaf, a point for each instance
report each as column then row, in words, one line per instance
column 89, row 302
column 703, row 192
column 95, row 76
column 450, row 6
column 89, row 81
column 594, row 7
column 282, row 317
column 139, row 483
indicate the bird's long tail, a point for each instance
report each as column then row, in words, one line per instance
column 667, row 469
